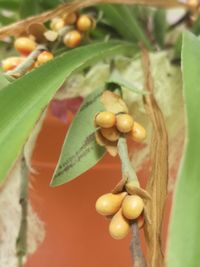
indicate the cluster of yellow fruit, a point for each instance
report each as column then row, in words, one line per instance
column 111, row 125
column 79, row 25
column 123, row 208
column 24, row 46
column 74, row 26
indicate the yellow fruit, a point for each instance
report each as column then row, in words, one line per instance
column 44, row 57
column 109, row 204
column 72, row 39
column 84, row 23
column 132, row 207
column 57, row 24
column 105, row 119
column 110, row 134
column 124, row 123
column 69, row 18
column 11, row 63
column 24, row 45
column 138, row 133
column 119, row 226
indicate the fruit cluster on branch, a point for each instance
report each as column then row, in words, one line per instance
column 123, row 208
column 68, row 30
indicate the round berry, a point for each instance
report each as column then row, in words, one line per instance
column 57, row 24
column 105, row 119
column 69, row 18
column 44, row 57
column 132, row 207
column 11, row 63
column 24, row 45
column 110, row 134
column 138, row 133
column 124, row 123
column 84, row 23
column 72, row 39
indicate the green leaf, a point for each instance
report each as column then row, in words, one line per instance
column 29, row 8
column 184, row 241
column 123, row 21
column 80, row 151
column 117, row 21
column 160, row 26
column 133, row 24
column 117, row 79
column 9, row 5
column 3, row 81
column 22, row 102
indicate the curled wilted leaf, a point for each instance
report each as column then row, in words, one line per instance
column 133, row 188
column 120, row 186
column 37, row 30
column 113, row 102
column 111, row 147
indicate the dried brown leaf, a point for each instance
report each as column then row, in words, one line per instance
column 158, row 180
column 37, row 30
column 120, row 186
column 17, row 28
column 135, row 190
column 113, row 102
column 111, row 147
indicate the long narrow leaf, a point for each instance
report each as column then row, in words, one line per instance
column 22, row 102
column 80, row 151
column 184, row 241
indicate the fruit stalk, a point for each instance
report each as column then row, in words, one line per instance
column 26, row 64
column 129, row 173
column 135, row 247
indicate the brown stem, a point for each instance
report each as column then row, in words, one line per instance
column 157, row 182
column 135, row 247
column 18, row 28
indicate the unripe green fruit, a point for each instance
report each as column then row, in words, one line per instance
column 109, row 204
column 119, row 226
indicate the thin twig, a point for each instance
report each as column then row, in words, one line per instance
column 127, row 168
column 129, row 172
column 21, row 242
column 135, row 247
column 20, row 27
column 26, row 64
